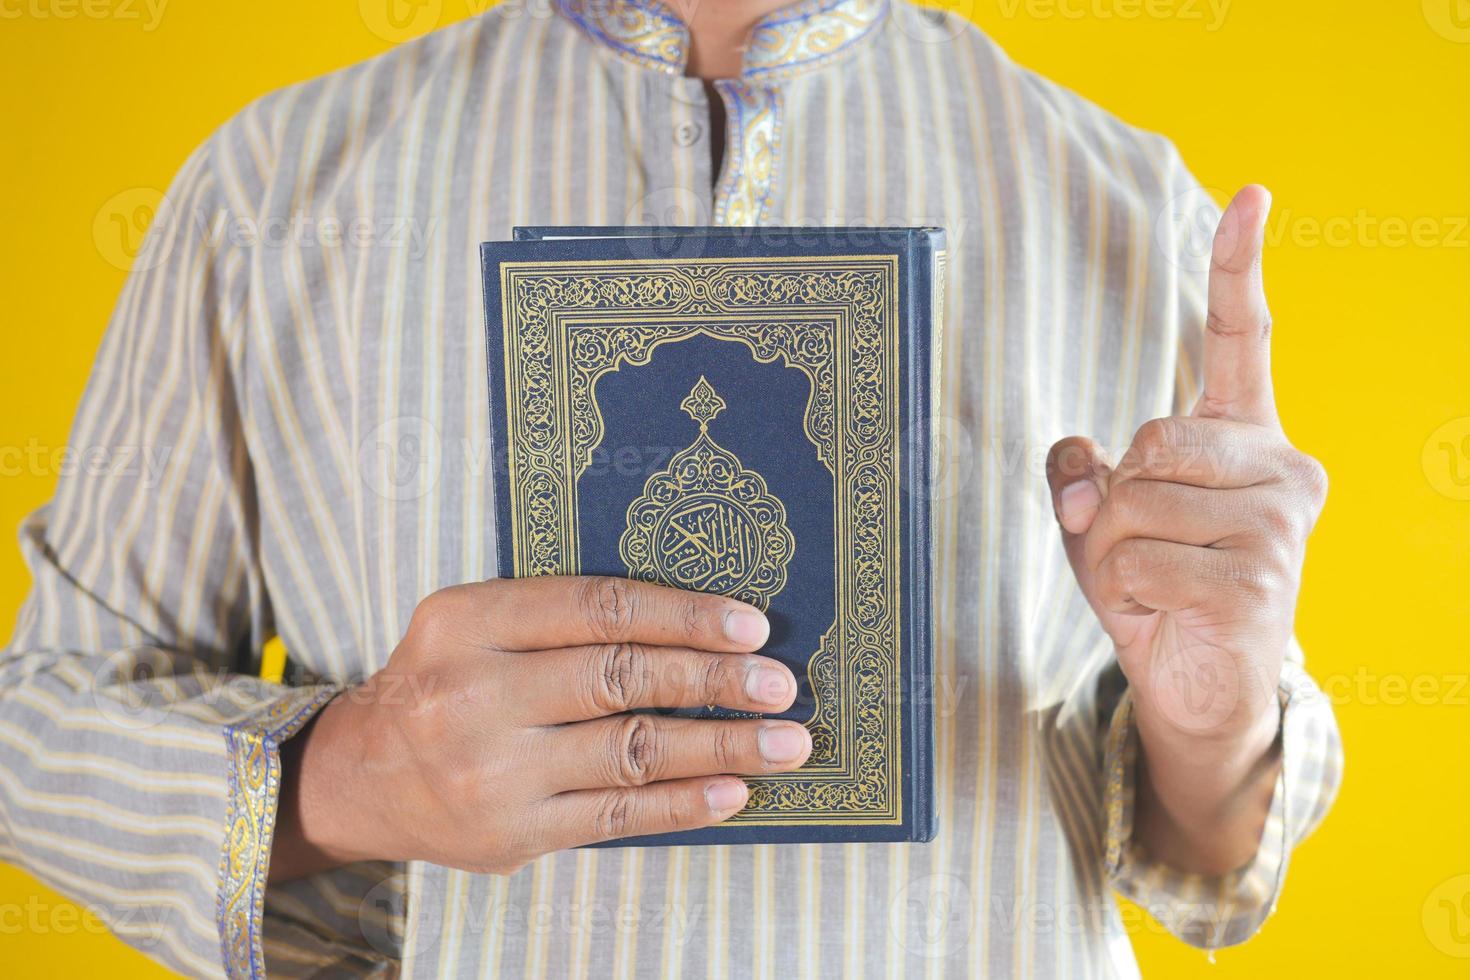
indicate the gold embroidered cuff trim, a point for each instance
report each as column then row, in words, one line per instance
column 1209, row 912
column 254, row 769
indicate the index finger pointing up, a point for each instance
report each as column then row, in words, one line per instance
column 1237, row 357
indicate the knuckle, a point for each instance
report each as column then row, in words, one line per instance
column 1221, row 324
column 692, row 618
column 1265, row 323
column 1156, row 441
column 1263, row 513
column 1278, row 523
column 1311, row 476
column 1244, row 321
column 725, row 749
column 1132, row 503
column 618, row 677
column 432, row 614
column 635, row 751
column 1249, row 577
column 614, row 814
column 1216, row 404
column 714, row 678
column 1118, row 574
column 1127, row 562
column 678, row 811
column 608, row 605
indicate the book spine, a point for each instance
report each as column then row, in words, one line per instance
column 926, row 339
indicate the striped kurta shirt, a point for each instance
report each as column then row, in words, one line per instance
column 290, row 409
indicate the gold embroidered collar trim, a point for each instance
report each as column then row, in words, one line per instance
column 798, row 38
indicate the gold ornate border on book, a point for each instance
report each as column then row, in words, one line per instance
column 835, row 319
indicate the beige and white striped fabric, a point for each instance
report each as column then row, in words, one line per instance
column 296, row 370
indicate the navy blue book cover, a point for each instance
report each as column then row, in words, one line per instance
column 747, row 412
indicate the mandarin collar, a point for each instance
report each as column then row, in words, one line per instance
column 794, row 39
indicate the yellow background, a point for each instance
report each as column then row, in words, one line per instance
column 1355, row 114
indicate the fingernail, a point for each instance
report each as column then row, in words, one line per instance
column 782, row 743
column 725, row 795
column 1076, row 504
column 768, row 685
column 746, row 627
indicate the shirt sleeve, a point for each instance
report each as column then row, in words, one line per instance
column 1207, row 911
column 139, row 759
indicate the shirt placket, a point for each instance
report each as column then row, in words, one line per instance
column 677, row 167
column 753, row 113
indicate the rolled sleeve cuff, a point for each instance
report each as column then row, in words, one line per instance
column 254, row 762
column 1204, row 910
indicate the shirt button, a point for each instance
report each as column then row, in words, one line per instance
column 687, row 133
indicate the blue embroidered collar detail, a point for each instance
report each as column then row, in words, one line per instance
column 787, row 42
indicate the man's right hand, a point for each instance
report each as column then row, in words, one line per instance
column 500, row 730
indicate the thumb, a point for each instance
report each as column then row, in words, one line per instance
column 1078, row 473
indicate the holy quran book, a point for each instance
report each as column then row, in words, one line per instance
column 743, row 412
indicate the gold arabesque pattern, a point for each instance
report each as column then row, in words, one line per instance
column 254, row 771
column 706, row 522
column 834, row 318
